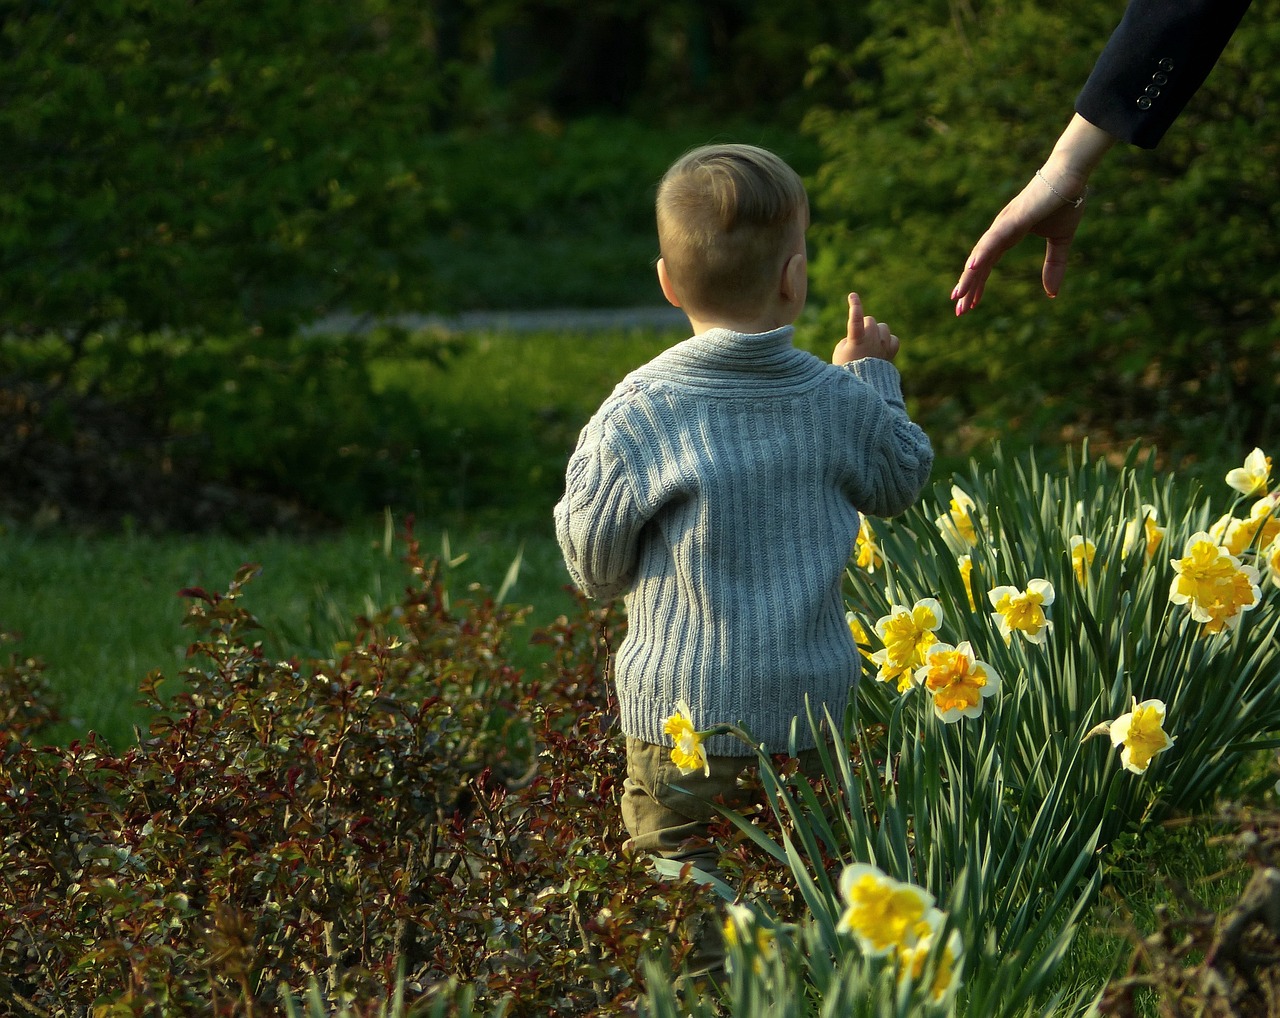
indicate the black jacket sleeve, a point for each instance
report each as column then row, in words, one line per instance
column 1154, row 62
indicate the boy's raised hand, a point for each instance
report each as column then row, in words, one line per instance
column 866, row 337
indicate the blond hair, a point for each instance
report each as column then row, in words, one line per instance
column 726, row 215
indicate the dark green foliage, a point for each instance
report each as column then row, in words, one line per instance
column 196, row 166
column 1167, row 319
column 228, row 163
column 232, row 433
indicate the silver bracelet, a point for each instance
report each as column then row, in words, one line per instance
column 1075, row 203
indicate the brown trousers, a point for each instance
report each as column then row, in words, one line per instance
column 669, row 816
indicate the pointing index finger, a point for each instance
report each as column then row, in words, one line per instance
column 856, row 324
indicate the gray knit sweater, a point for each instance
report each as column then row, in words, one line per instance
column 718, row 490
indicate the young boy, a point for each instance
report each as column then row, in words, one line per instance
column 718, row 491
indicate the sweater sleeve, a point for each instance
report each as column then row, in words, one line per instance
column 898, row 454
column 599, row 519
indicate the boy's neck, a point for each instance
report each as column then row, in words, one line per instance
column 749, row 326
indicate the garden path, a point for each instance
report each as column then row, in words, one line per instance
column 562, row 319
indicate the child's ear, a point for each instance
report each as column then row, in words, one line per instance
column 795, row 277
column 664, row 281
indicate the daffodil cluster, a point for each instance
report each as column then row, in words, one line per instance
column 1216, row 587
column 1258, row 535
column 907, row 634
column 890, row 918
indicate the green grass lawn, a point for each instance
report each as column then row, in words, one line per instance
column 103, row 611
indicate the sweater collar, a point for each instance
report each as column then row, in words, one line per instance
column 719, row 354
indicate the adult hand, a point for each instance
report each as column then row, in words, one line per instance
column 1036, row 209
column 1047, row 207
column 865, row 338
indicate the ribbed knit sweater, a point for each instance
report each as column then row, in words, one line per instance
column 718, row 490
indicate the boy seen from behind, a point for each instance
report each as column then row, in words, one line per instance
column 718, row 491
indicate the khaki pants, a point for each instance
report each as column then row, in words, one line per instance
column 669, row 815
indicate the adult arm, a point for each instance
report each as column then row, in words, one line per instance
column 1154, row 62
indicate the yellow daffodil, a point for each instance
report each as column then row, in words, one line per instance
column 1254, row 477
column 1141, row 733
column 1022, row 611
column 1145, row 531
column 867, row 551
column 1213, row 584
column 1259, row 530
column 907, row 633
column 744, row 932
column 958, row 681
column 1271, row 560
column 860, row 635
column 912, row 957
column 956, row 525
column 1082, row 555
column 882, row 913
column 965, row 564
column 687, row 751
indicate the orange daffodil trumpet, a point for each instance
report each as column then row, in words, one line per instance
column 888, row 917
column 1140, row 735
column 1254, row 477
column 958, row 681
column 1023, row 611
column 1213, row 584
column 687, row 753
column 907, row 633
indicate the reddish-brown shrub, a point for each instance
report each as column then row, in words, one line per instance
column 416, row 806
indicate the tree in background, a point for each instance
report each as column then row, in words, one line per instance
column 203, row 166
column 1169, row 314
column 207, row 165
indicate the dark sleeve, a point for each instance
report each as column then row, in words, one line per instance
column 1154, row 62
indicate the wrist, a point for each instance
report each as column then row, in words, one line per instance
column 1076, row 155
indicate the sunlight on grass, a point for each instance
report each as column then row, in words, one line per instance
column 103, row 611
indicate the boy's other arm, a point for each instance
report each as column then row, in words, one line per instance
column 598, row 521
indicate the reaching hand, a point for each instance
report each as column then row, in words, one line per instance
column 1039, row 209
column 1047, row 207
column 866, row 337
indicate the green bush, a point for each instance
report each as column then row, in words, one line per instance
column 179, row 167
